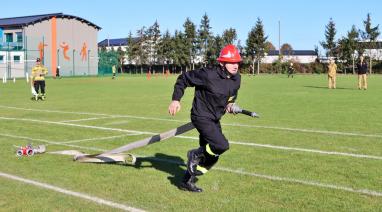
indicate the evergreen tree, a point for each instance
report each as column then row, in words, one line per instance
column 256, row 43
column 180, row 50
column 229, row 36
column 215, row 45
column 140, row 47
column 153, row 36
column 190, row 35
column 130, row 49
column 165, row 50
column 370, row 36
column 121, row 58
column 347, row 47
column 204, row 37
column 329, row 44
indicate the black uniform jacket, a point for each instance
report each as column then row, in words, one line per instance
column 362, row 68
column 214, row 89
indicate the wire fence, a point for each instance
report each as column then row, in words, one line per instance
column 18, row 58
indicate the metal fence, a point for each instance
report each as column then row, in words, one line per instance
column 18, row 58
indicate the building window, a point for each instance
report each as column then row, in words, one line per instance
column 16, row 59
column 8, row 37
column 19, row 37
column 1, row 58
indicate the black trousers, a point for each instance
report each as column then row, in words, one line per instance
column 210, row 133
column 40, row 84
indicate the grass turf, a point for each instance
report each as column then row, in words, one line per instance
column 288, row 108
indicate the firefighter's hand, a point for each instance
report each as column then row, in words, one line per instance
column 174, row 107
column 229, row 108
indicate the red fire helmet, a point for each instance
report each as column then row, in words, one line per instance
column 229, row 54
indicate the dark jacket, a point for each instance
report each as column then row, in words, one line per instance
column 362, row 68
column 214, row 89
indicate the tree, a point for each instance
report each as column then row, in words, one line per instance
column 165, row 49
column 347, row 47
column 214, row 47
column 140, row 47
column 269, row 46
column 330, row 32
column 153, row 36
column 190, row 35
column 121, row 58
column 130, row 48
column 370, row 36
column 229, row 36
column 204, row 37
column 286, row 48
column 179, row 55
column 256, row 43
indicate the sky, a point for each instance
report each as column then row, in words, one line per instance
column 302, row 21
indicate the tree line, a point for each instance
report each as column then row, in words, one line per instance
column 193, row 47
column 357, row 41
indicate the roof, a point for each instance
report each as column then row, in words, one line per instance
column 115, row 42
column 293, row 52
column 27, row 20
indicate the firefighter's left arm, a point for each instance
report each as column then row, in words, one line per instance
column 44, row 71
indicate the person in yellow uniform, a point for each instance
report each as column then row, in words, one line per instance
column 332, row 71
column 38, row 79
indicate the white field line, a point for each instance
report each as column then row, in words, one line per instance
column 304, row 182
column 71, row 193
column 308, row 130
column 77, row 125
column 224, row 124
column 196, row 138
column 88, row 119
column 101, row 138
column 241, row 172
column 283, row 179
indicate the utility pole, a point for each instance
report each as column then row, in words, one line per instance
column 279, row 39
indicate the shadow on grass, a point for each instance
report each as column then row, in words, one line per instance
column 323, row 87
column 173, row 165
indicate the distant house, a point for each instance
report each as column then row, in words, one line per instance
column 299, row 56
column 58, row 39
column 113, row 44
column 375, row 53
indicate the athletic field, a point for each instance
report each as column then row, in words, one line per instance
column 313, row 149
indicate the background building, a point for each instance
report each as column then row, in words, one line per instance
column 58, row 39
column 299, row 56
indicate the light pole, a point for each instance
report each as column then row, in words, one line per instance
column 88, row 62
column 74, row 71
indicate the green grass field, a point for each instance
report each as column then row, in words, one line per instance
column 313, row 149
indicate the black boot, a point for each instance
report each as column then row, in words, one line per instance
column 195, row 156
column 188, row 183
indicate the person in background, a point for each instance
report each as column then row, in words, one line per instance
column 290, row 70
column 332, row 71
column 362, row 73
column 58, row 72
column 38, row 79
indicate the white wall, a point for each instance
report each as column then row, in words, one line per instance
column 286, row 58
